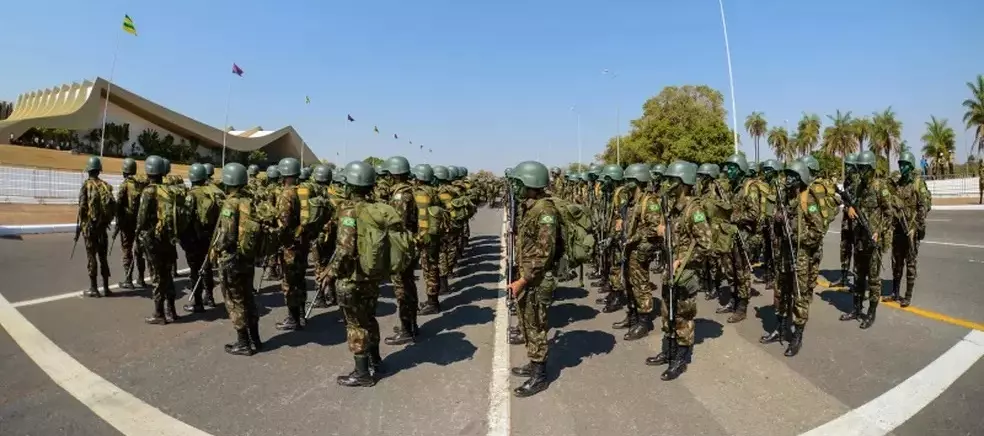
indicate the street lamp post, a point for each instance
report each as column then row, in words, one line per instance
column 577, row 113
column 731, row 78
column 618, row 137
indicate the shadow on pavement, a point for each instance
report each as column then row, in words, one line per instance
column 564, row 293
column 477, row 268
column 706, row 329
column 475, row 280
column 842, row 301
column 471, row 295
column 324, row 328
column 767, row 314
column 569, row 349
column 832, row 275
column 563, row 315
column 478, row 259
column 455, row 319
column 443, row 349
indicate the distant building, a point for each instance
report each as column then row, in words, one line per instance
column 79, row 107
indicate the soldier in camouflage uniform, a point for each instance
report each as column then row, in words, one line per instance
column 402, row 198
column 450, row 241
column 909, row 226
column 357, row 293
column 381, row 191
column 462, row 190
column 429, row 240
column 254, row 184
column 737, row 266
column 294, row 245
column 156, row 239
column 557, row 185
column 128, row 203
column 614, row 198
column 847, row 226
column 769, row 176
column 876, row 203
column 197, row 238
column 658, row 187
column 97, row 207
column 690, row 234
column 639, row 251
column 801, row 228
column 210, row 173
column 233, row 250
column 269, row 194
column 712, row 192
column 537, row 250
column 324, row 244
column 824, row 192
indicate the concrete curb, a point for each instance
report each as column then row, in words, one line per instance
column 959, row 207
column 40, row 229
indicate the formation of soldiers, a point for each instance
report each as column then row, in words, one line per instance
column 699, row 225
column 361, row 226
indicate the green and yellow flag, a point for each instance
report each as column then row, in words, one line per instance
column 307, row 99
column 128, row 26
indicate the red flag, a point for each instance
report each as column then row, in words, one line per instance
column 236, row 70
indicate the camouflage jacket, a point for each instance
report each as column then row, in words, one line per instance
column 691, row 234
column 200, row 194
column 147, row 214
column 402, row 199
column 128, row 201
column 424, row 196
column 644, row 219
column 344, row 263
column 91, row 218
column 620, row 198
column 752, row 203
column 557, row 187
column 537, row 236
column 381, row 191
column 878, row 204
column 915, row 202
column 288, row 215
column 225, row 249
column 807, row 225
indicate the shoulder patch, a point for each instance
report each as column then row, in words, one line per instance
column 348, row 221
column 884, row 192
column 398, row 196
column 226, row 212
column 654, row 207
column 812, row 208
column 699, row 217
column 547, row 219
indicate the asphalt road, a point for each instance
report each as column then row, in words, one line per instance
column 441, row 385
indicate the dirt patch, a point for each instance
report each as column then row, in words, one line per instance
column 24, row 214
column 31, row 157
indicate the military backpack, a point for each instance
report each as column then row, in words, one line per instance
column 384, row 244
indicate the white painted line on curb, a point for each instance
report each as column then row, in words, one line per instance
column 949, row 244
column 498, row 415
column 125, row 412
column 881, row 415
column 78, row 294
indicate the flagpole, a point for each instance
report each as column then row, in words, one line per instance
column 109, row 89
column 225, row 125
column 731, row 78
column 345, row 147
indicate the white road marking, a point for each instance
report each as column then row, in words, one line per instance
column 950, row 244
column 939, row 220
column 498, row 415
column 881, row 415
column 76, row 294
column 125, row 412
column 975, row 261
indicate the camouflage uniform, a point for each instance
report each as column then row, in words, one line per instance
column 402, row 199
column 383, row 189
column 753, row 205
column 94, row 227
column 847, row 230
column 451, row 240
column 643, row 243
column 621, row 198
column 428, row 244
column 537, row 253
column 915, row 202
column 557, row 187
column 236, row 218
column 744, row 215
column 877, row 204
column 195, row 242
column 691, row 245
column 807, row 227
column 824, row 193
column 160, row 250
column 128, row 203
column 293, row 247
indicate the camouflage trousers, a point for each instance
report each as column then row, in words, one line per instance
column 449, row 251
column 685, row 296
column 294, row 284
column 867, row 270
column 532, row 304
column 735, row 269
column 430, row 256
column 95, row 251
column 904, row 254
column 196, row 253
column 405, row 288
column 358, row 301
column 846, row 244
column 755, row 244
column 131, row 251
column 640, row 287
column 237, row 291
column 162, row 258
column 796, row 289
column 322, row 257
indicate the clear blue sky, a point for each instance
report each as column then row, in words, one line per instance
column 487, row 84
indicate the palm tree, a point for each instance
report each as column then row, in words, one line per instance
column 779, row 141
column 886, row 133
column 756, row 127
column 839, row 138
column 807, row 133
column 939, row 141
column 861, row 128
column 974, row 117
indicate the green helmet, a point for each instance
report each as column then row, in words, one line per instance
column 658, row 169
column 709, row 170
column 738, row 159
column 338, row 177
column 800, row 170
column 381, row 170
column 441, row 173
column 570, row 176
column 555, row 171
column 638, row 172
column 594, row 169
column 253, row 170
column 233, row 174
column 197, row 173
column 154, row 165
column 398, row 165
column 210, row 170
column 452, row 172
column 359, row 173
column 167, row 166
column 508, row 172
column 811, row 163
column 851, row 159
column 424, row 173
column 683, row 170
column 129, row 166
column 464, row 171
column 866, row 159
column 322, row 174
column 273, row 173
column 907, row 157
column 289, row 167
column 613, row 172
column 532, row 174
column 754, row 168
column 584, row 176
column 305, row 174
column 93, row 164
column 773, row 165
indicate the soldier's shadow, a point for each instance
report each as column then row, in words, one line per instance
column 479, row 259
column 443, row 349
column 832, row 275
column 461, row 316
column 563, row 315
column 569, row 349
column 477, row 268
column 767, row 315
column 325, row 328
column 471, row 295
column 706, row 329
column 842, row 301
column 564, row 293
column 488, row 279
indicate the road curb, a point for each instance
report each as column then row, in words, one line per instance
column 36, row 229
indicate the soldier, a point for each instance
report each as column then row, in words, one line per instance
column 128, row 203
column 234, row 250
column 293, row 245
column 305, row 175
column 462, row 190
column 156, row 233
column 557, row 185
column 210, row 173
column 358, row 294
column 97, row 208
column 769, row 172
column 824, row 192
column 737, row 266
column 612, row 226
column 801, row 228
column 324, row 245
column 269, row 193
column 450, row 240
column 847, row 226
column 538, row 250
column 909, row 226
column 403, row 198
column 638, row 251
column 658, row 187
column 196, row 239
column 254, row 184
column 874, row 199
column 713, row 194
column 175, row 184
column 381, row 191
column 691, row 241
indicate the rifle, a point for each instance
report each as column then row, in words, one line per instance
column 511, row 247
column 862, row 220
column 742, row 246
column 624, row 267
column 78, row 231
column 788, row 236
column 670, row 281
column 116, row 232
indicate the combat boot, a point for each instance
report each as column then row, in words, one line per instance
column 292, row 321
column 169, row 313
column 376, row 367
column 678, row 365
column 907, row 299
column 740, row 311
column 209, row 299
column 663, row 357
column 796, row 342
column 359, row 377
column 514, row 330
column 319, row 301
column 127, row 282
column 430, row 307
column 517, row 338
column 106, row 291
column 894, row 296
column 241, row 346
column 443, row 286
column 93, row 288
column 141, row 282
column 404, row 335
column 869, row 319
column 727, row 308
column 855, row 313
column 522, row 371
column 196, row 305
column 537, row 382
column 642, row 327
column 614, row 304
column 630, row 320
column 254, row 335
column 775, row 335
column 157, row 317
column 845, row 278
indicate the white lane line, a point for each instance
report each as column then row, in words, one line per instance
column 125, row 412
column 498, row 416
column 880, row 416
column 951, row 244
column 939, row 220
column 49, row 299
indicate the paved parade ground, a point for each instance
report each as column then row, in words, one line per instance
column 92, row 367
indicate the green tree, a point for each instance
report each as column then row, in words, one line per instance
column 939, row 141
column 886, row 133
column 373, row 160
column 685, row 122
column 149, row 141
column 779, row 141
column 974, row 116
column 830, row 164
column 839, row 138
column 257, row 157
column 329, row 164
column 756, row 126
column 575, row 167
column 808, row 133
column 861, row 129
